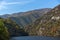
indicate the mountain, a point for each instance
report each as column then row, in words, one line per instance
column 9, row 28
column 26, row 18
column 47, row 25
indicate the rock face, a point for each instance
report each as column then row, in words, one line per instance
column 47, row 25
column 55, row 18
column 25, row 18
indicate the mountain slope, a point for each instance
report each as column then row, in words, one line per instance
column 26, row 18
column 47, row 25
column 10, row 28
column 14, row 29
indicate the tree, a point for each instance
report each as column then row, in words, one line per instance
column 3, row 31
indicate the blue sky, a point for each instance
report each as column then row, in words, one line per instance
column 14, row 6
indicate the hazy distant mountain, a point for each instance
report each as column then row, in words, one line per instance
column 26, row 18
column 47, row 25
column 40, row 11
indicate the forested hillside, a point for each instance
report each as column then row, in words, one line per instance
column 9, row 28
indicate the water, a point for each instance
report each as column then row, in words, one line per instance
column 34, row 38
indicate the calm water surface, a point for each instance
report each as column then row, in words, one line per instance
column 35, row 38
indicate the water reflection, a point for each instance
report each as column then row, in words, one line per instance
column 35, row 38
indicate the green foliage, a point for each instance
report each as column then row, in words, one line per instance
column 9, row 28
column 4, row 35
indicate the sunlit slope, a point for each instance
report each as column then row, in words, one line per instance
column 47, row 25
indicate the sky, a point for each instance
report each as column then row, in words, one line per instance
column 15, row 6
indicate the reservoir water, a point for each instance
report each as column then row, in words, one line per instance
column 35, row 38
